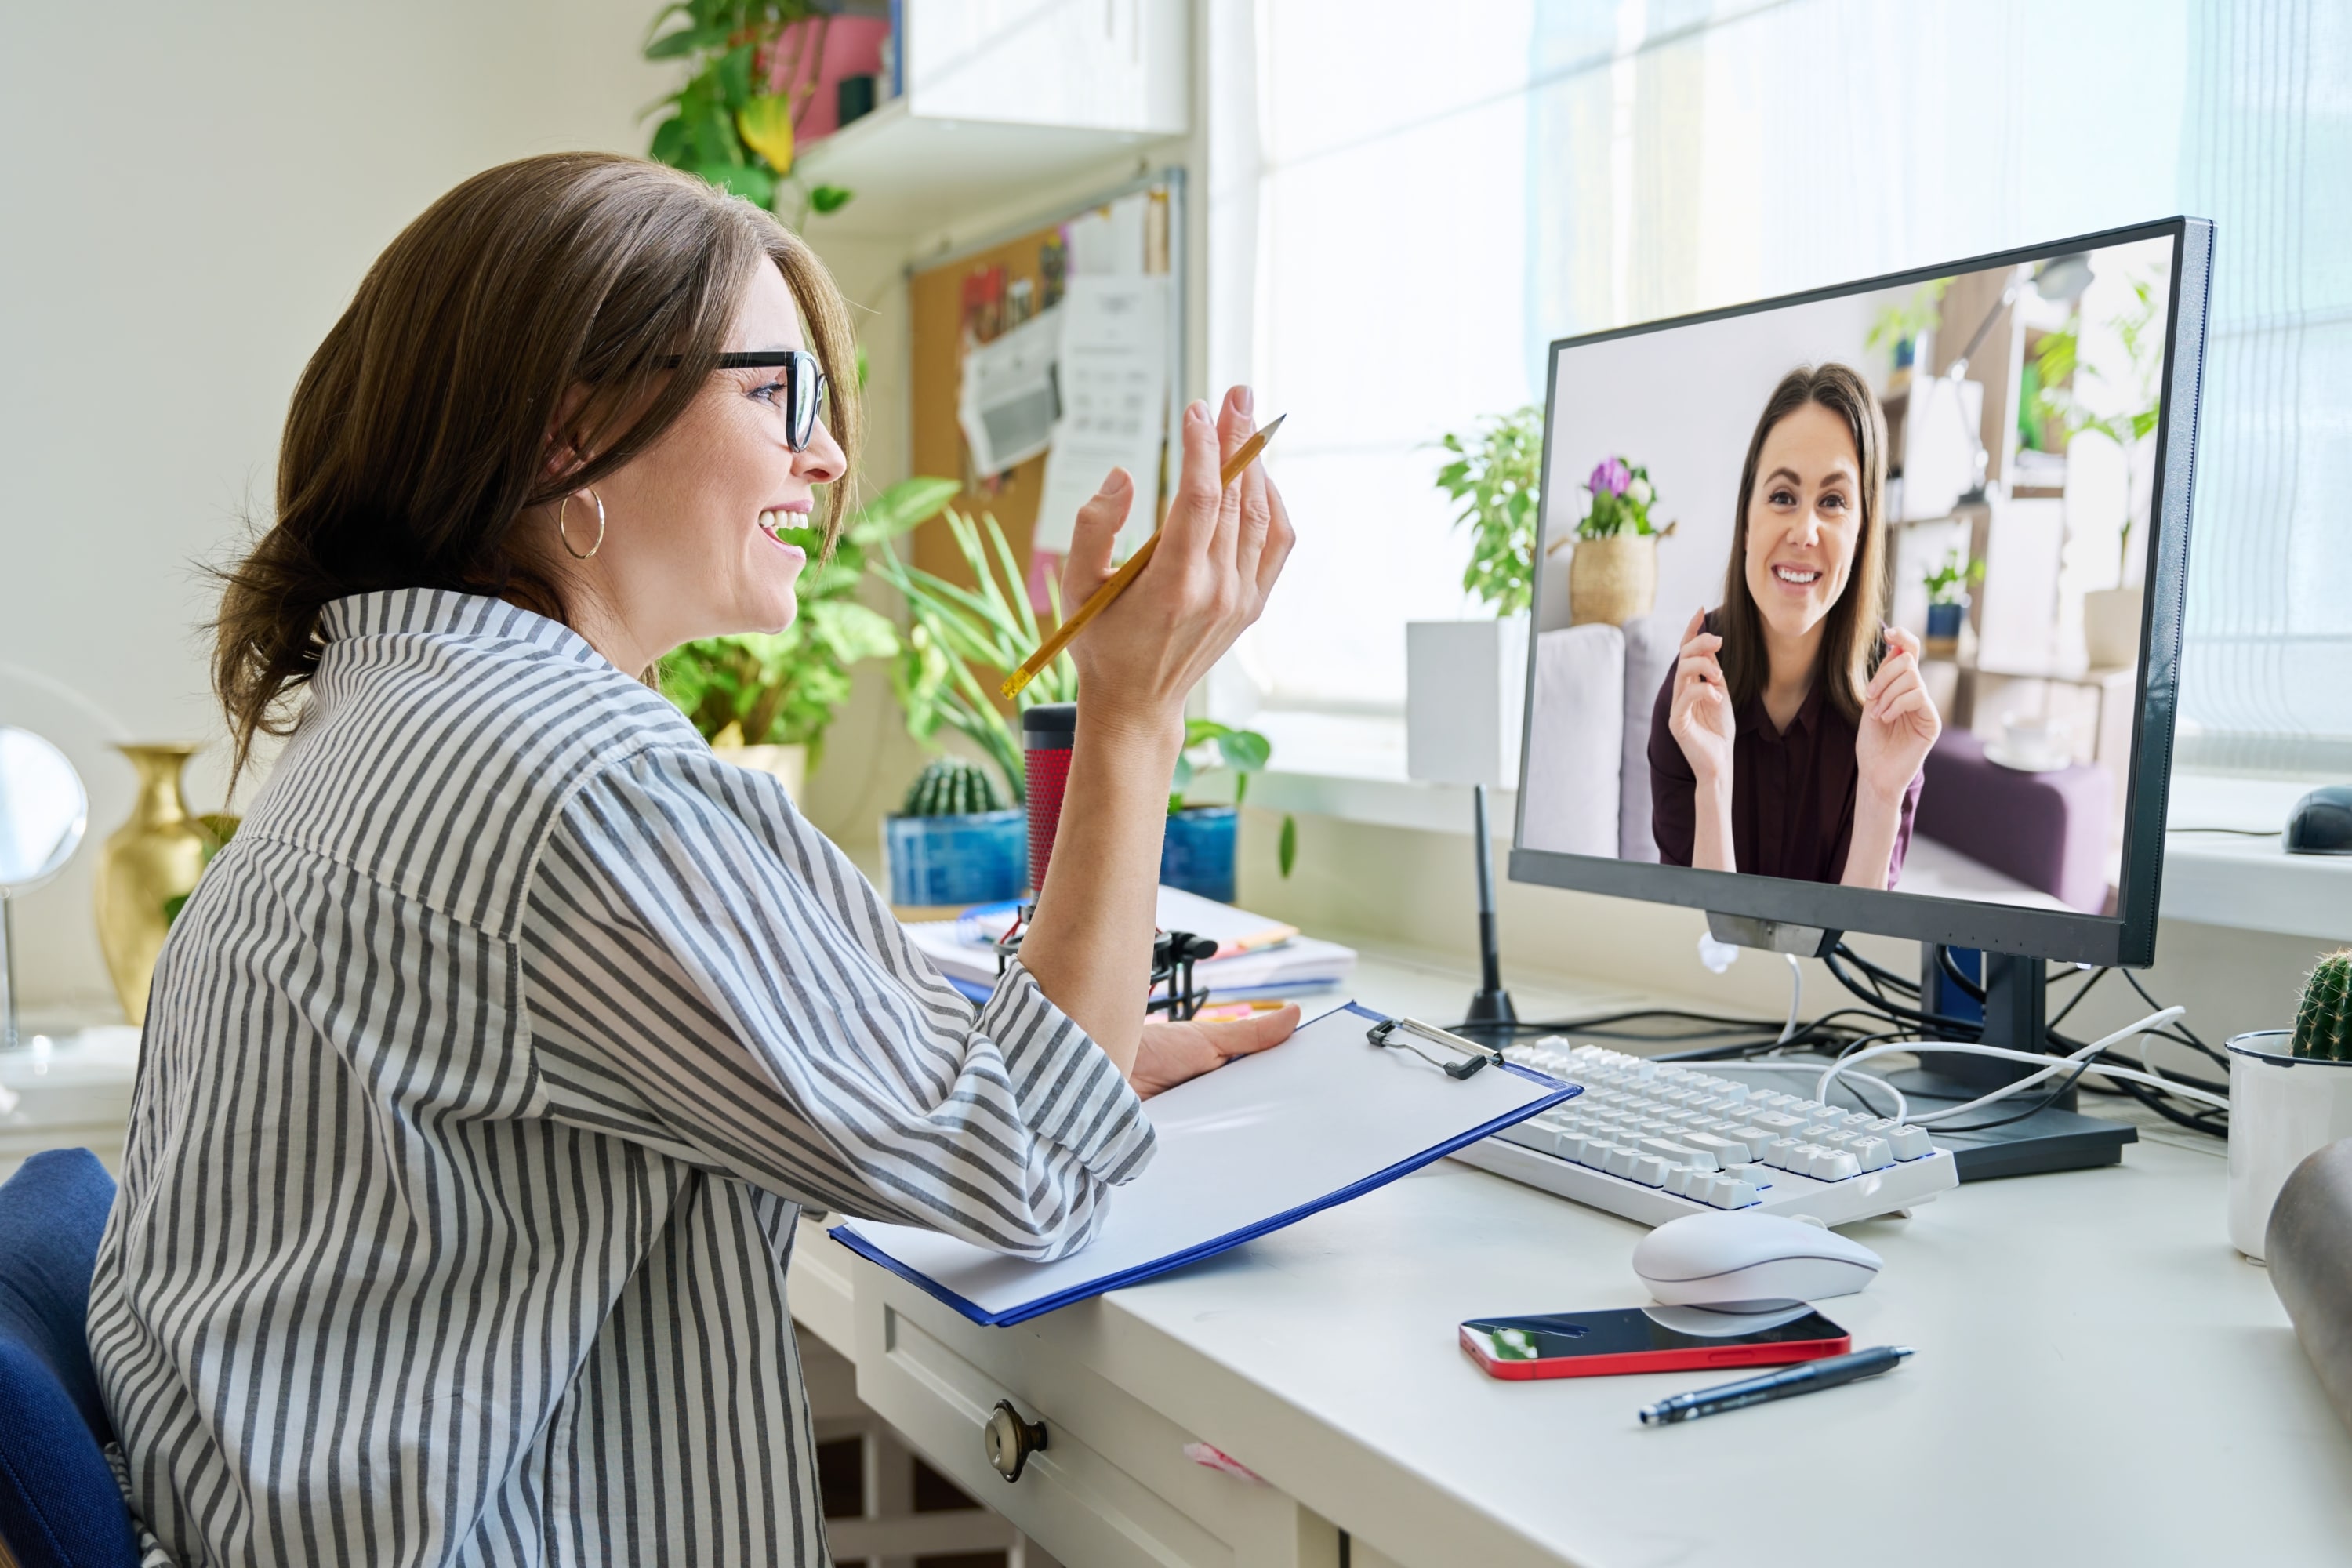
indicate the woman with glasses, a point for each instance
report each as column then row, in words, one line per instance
column 487, row 1071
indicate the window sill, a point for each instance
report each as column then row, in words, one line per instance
column 1353, row 769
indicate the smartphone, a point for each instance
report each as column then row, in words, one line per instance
column 1648, row 1339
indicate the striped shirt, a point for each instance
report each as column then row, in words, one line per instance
column 483, row 1078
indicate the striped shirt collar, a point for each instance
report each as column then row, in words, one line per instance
column 395, row 612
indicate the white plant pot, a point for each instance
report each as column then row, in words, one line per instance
column 2282, row 1107
column 1465, row 695
column 2111, row 626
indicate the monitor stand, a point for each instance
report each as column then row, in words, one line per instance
column 2015, row 1014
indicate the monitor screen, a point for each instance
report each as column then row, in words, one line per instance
column 1849, row 605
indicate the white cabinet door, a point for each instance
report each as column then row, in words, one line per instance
column 1101, row 65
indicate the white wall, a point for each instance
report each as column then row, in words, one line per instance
column 194, row 193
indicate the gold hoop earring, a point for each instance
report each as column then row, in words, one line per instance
column 559, row 533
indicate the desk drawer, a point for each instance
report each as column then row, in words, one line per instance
column 1111, row 1489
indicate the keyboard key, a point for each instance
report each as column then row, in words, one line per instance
column 1836, row 1165
column 1724, row 1193
column 1618, row 1161
column 1754, row 1175
column 1726, row 1150
column 1872, row 1153
column 1650, row 1170
column 1679, row 1153
column 1776, row 1122
column 1912, row 1143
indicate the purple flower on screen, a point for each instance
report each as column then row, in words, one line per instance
column 1611, row 476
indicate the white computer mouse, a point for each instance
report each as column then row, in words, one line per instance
column 1722, row 1259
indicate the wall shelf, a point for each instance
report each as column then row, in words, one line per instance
column 916, row 174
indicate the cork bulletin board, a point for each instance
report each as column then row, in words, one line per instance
column 972, row 297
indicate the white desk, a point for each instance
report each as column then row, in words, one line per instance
column 2100, row 1379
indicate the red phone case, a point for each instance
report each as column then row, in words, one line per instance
column 1692, row 1359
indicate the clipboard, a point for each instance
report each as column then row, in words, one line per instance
column 1258, row 1145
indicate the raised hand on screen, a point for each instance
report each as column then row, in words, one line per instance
column 1700, row 720
column 1899, row 722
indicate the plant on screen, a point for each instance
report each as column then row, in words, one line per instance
column 1494, row 476
column 754, row 66
column 1949, row 583
column 1622, row 499
column 2137, row 383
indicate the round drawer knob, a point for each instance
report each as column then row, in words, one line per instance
column 1012, row 1440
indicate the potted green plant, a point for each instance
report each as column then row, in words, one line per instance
column 765, row 700
column 1464, row 679
column 1197, row 852
column 959, row 644
column 1948, row 602
column 954, row 840
column 2126, row 414
column 1612, row 577
column 753, row 67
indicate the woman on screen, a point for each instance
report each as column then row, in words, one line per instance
column 1789, row 737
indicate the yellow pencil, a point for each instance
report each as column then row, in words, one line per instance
column 1051, row 649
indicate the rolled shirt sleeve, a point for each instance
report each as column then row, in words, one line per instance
column 708, row 973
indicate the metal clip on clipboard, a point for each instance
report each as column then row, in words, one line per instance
column 1386, row 1032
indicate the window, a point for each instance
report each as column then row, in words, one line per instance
column 1437, row 195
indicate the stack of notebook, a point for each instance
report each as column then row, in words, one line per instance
column 1256, row 956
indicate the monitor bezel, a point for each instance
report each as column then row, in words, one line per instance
column 2125, row 938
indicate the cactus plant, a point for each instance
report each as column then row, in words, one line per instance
column 2323, row 1024
column 950, row 787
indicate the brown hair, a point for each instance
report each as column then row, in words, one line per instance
column 1851, row 638
column 421, row 429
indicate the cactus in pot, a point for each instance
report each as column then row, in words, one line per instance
column 2323, row 1024
column 950, row 787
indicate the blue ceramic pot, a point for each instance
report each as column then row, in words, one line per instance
column 1197, row 854
column 1944, row 620
column 979, row 858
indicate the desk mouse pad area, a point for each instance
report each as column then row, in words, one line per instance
column 1258, row 1145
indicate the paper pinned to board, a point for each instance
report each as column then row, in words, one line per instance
column 1113, row 379
column 1008, row 404
column 1110, row 241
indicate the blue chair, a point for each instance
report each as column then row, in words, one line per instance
column 59, row 1507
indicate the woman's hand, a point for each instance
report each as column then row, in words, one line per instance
column 1700, row 718
column 1899, row 722
column 1220, row 551
column 1172, row 1052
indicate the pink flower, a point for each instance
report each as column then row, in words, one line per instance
column 1611, row 476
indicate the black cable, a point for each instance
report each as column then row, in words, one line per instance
column 2041, row 1104
column 1969, row 1028
column 2190, row 1035
column 1884, row 976
column 1953, row 973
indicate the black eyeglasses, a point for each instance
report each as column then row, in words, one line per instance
column 804, row 385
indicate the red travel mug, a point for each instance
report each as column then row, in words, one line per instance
column 1047, row 731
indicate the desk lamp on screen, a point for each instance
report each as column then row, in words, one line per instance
column 1914, row 662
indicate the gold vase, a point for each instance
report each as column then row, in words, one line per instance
column 1612, row 580
column 151, row 860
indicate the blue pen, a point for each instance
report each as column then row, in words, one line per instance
column 1827, row 1372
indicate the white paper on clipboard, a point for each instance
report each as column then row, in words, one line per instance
column 1113, row 375
column 1259, row 1144
column 1007, row 404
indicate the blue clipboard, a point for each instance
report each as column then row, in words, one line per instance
column 1277, row 1145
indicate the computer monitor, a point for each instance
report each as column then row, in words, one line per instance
column 1984, row 466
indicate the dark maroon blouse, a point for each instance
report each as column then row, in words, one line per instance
column 1792, row 791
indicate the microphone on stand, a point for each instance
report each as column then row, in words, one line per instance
column 1492, row 1005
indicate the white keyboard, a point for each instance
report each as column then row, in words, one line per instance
column 1655, row 1140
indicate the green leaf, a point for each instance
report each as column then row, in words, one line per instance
column 1245, row 750
column 685, row 41
column 735, row 76
column 904, row 506
column 1287, row 851
column 754, row 183
column 669, row 143
column 829, row 198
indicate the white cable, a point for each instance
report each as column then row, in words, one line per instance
column 2081, row 1059
column 1796, row 997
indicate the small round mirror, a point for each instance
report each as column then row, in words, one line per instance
column 43, row 810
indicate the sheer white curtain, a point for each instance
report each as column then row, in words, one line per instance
column 1440, row 194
